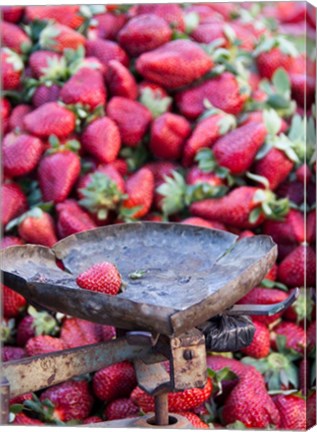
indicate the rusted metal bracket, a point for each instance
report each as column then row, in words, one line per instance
column 4, row 400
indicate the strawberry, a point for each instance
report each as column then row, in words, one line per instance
column 76, row 332
column 58, row 172
column 217, row 363
column 41, row 61
column 13, row 202
column 155, row 98
column 67, row 15
column 72, row 400
column 58, row 37
column 103, row 277
column 18, row 113
column 291, row 12
column 14, row 148
column 227, row 10
column 168, row 133
column 205, row 134
column 85, row 87
column 120, row 81
column 295, row 337
column 144, row 33
column 311, row 226
column 163, row 64
column 105, row 51
column 44, row 94
column 22, row 398
column 301, row 309
column 311, row 409
column 177, row 402
column 7, row 241
column 237, row 149
column 12, row 13
column 12, row 68
column 241, row 208
column 223, row 92
column 72, row 219
column 102, row 139
column 196, row 221
column 92, row 419
column 50, row 119
column 194, row 420
column 14, row 38
column 303, row 173
column 121, row 409
column 44, row 344
column 171, row 13
column 34, row 324
column 260, row 345
column 37, row 227
column 291, row 230
column 311, row 336
column 140, row 190
column 108, row 25
column 299, row 267
column 5, row 114
column 277, row 54
column 23, row 419
column 115, row 381
column 292, row 411
column 131, row 117
column 13, row 302
column 265, row 296
column 195, row 176
column 250, row 403
column 272, row 273
column 9, row 353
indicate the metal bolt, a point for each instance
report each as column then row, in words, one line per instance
column 188, row 354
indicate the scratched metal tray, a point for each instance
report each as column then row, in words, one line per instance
column 190, row 274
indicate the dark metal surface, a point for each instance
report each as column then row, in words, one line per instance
column 190, row 274
column 161, row 409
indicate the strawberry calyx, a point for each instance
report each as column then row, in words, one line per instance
column 101, row 195
column 56, row 146
column 266, row 203
column 45, row 410
column 135, row 157
column 281, row 42
column 84, row 114
column 14, row 59
column 7, row 330
column 48, row 36
column 268, row 283
column 303, row 306
column 225, row 124
column 43, row 322
column 35, row 212
column 178, row 195
column 154, row 101
column 207, row 163
column 218, row 377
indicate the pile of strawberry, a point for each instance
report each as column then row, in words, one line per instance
column 192, row 114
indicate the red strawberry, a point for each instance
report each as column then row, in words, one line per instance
column 85, row 87
column 23, row 419
column 5, row 113
column 177, row 402
column 236, row 208
column 50, row 119
column 140, row 191
column 196, row 221
column 115, row 381
column 12, row 302
column 102, row 139
column 103, row 277
column 120, row 81
column 217, row 362
column 12, row 68
column 194, row 420
column 168, row 133
column 58, row 173
column 13, row 202
column 264, row 296
column 144, row 33
column 12, row 13
column 44, row 344
column 105, row 51
column 294, row 335
column 206, row 133
column 21, row 399
column 311, row 409
column 155, row 98
column 171, row 13
column 291, row 230
column 269, row 61
column 163, row 64
column 68, row 15
column 18, row 113
column 14, row 37
column 9, row 353
column 311, row 226
column 41, row 61
column 250, row 403
column 37, row 227
column 35, row 324
column 58, row 37
column 272, row 274
column 7, row 241
column 237, row 149
column 227, row 10
column 303, row 174
column 76, row 332
column 108, row 25
column 14, row 149
column 72, row 219
column 121, row 409
column 72, row 400
column 299, row 267
column 195, row 176
column 291, row 12
column 44, row 94
column 260, row 345
column 222, row 92
column 131, row 117
column 292, row 411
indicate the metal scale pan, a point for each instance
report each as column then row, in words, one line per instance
column 188, row 274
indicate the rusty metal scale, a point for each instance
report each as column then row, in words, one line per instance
column 176, row 277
